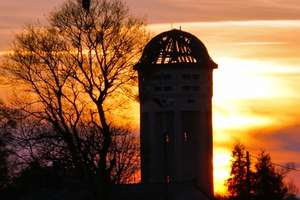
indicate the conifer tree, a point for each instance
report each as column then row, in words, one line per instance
column 241, row 177
column 268, row 182
column 264, row 183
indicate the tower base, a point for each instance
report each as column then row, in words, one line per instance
column 173, row 191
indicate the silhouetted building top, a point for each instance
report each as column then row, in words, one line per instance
column 175, row 47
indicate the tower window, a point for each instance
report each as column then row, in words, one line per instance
column 168, row 88
column 196, row 76
column 186, row 76
column 168, row 179
column 185, row 136
column 157, row 88
column 167, row 139
column 191, row 101
column 186, row 88
column 167, row 77
column 196, row 88
column 156, row 77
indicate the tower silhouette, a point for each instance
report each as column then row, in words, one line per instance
column 175, row 91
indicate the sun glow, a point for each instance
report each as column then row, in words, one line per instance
column 221, row 160
column 242, row 79
column 237, row 84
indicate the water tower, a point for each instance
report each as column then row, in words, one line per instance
column 175, row 90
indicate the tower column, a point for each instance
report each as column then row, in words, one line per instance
column 175, row 84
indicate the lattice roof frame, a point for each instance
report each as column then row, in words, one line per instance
column 175, row 47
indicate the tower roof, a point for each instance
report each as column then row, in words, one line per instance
column 173, row 47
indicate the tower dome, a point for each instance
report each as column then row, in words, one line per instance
column 175, row 47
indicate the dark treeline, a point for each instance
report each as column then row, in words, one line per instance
column 261, row 181
column 35, row 162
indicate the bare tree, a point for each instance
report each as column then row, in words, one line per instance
column 125, row 153
column 76, row 72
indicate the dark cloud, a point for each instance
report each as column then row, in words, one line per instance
column 287, row 139
column 283, row 144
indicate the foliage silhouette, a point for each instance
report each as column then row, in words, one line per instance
column 268, row 182
column 241, row 180
column 264, row 182
column 6, row 123
column 3, row 165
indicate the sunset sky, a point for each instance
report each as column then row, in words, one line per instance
column 256, row 44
